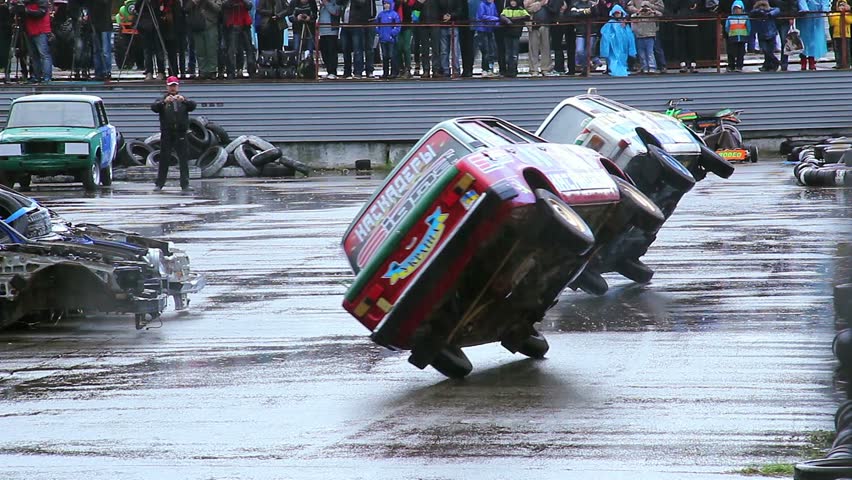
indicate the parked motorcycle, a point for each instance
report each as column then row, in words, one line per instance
column 717, row 128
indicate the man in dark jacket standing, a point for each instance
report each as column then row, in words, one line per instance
column 100, row 11
column 174, row 110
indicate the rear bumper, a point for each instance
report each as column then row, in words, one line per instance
column 194, row 283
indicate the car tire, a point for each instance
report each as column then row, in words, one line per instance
column 106, row 175
column 638, row 209
column 137, row 152
column 634, row 270
column 266, row 157
column 10, row 204
column 574, row 232
column 236, row 143
column 823, row 469
column 712, row 162
column 153, row 141
column 672, row 171
column 590, row 282
column 295, row 165
column 212, row 161
column 534, row 346
column 753, row 153
column 198, row 136
column 452, row 362
column 843, row 416
column 277, row 170
column 154, row 159
column 219, row 133
column 843, row 301
column 91, row 176
column 245, row 163
column 25, row 181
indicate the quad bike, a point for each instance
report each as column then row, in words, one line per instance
column 717, row 128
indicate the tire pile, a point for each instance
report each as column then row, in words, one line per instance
column 838, row 461
column 821, row 162
column 213, row 151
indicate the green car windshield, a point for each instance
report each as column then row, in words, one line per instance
column 51, row 114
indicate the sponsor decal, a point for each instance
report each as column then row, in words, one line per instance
column 402, row 270
column 469, row 198
column 733, row 154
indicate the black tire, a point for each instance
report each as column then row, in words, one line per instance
column 106, row 175
column 843, row 301
column 534, row 346
column 712, row 162
column 841, row 347
column 154, row 159
column 648, row 138
column 212, row 161
column 842, row 417
column 363, row 164
column 672, row 171
column 452, row 363
column 153, row 141
column 236, row 143
column 591, row 283
column 198, row 136
column 221, row 135
column 277, row 170
column 295, row 165
column 574, row 232
column 641, row 210
column 244, row 162
column 138, row 152
column 91, row 176
column 265, row 157
column 259, row 143
column 9, row 204
column 823, row 469
column 7, row 180
column 635, row 270
column 25, row 181
column 753, row 154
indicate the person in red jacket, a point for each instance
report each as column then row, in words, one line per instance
column 37, row 26
column 238, row 31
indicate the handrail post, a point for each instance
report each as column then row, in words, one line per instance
column 453, row 72
column 719, row 43
column 314, row 54
column 844, row 53
column 588, row 48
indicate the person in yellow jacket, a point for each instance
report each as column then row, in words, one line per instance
column 834, row 21
column 513, row 18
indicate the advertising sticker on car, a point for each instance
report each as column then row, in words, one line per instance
column 402, row 270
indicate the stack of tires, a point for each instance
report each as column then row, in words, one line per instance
column 216, row 154
column 838, row 461
column 824, row 163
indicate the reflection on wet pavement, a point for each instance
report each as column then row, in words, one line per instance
column 723, row 361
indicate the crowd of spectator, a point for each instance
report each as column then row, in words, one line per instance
column 222, row 39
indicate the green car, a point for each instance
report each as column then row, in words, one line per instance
column 55, row 135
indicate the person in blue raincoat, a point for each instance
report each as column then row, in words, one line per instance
column 617, row 42
column 812, row 30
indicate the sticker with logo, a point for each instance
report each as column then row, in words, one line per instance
column 468, row 199
column 401, row 270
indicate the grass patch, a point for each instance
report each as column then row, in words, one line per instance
column 816, row 445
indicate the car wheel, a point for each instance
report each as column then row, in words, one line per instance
column 732, row 131
column 153, row 141
column 590, row 282
column 574, row 232
column 842, row 417
column 212, row 161
column 137, row 152
column 672, row 171
column 154, row 158
column 25, row 180
column 534, row 346
column 823, row 469
column 843, row 301
column 711, row 161
column 452, row 363
column 91, row 176
column 634, row 270
column 245, row 163
column 752, row 154
column 219, row 132
column 7, row 180
column 106, row 175
column 266, row 156
column 198, row 135
column 638, row 208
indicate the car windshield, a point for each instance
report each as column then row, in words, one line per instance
column 51, row 114
column 565, row 126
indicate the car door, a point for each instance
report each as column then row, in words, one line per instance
column 108, row 135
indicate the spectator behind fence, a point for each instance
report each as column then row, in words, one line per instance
column 812, row 30
column 427, row 12
column 487, row 20
column 617, row 42
column 513, row 18
column 329, row 18
column 562, row 40
column 238, row 29
column 788, row 8
column 174, row 36
column 645, row 30
column 738, row 29
column 581, row 10
column 450, row 11
column 271, row 23
column 405, row 38
column 686, row 34
column 303, row 17
column 362, row 12
column 834, row 20
column 387, row 39
column 465, row 39
column 37, row 28
column 148, row 24
column 763, row 24
column 541, row 15
column 202, row 17
column 100, row 12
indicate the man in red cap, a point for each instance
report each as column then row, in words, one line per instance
column 174, row 110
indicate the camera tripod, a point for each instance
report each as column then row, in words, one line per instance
column 146, row 4
column 19, row 46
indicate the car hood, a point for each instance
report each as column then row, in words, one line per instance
column 55, row 134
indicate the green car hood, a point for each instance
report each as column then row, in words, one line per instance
column 53, row 134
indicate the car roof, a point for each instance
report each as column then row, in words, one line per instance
column 56, row 97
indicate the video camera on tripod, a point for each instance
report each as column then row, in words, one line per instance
column 18, row 45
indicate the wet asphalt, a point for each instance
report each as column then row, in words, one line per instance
column 722, row 362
